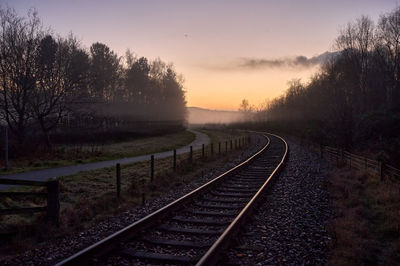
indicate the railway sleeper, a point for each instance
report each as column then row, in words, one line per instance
column 234, row 195
column 253, row 188
column 230, row 200
column 255, row 175
column 193, row 231
column 259, row 170
column 177, row 243
column 258, row 177
column 234, row 190
column 213, row 213
column 157, row 257
column 242, row 183
column 219, row 206
column 261, row 167
column 203, row 221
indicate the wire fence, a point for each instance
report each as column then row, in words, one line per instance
column 361, row 163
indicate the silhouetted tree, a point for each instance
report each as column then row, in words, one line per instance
column 356, row 42
column 44, row 79
column 137, row 81
column 19, row 41
column 104, row 72
column 78, row 74
column 354, row 99
column 49, row 100
column 388, row 47
column 173, row 95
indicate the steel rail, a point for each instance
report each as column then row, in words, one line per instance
column 212, row 255
column 101, row 247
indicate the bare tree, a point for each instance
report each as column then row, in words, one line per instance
column 49, row 101
column 388, row 46
column 19, row 39
column 355, row 42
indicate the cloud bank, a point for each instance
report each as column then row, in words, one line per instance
column 296, row 62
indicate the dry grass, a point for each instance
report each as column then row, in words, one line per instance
column 70, row 155
column 367, row 222
column 222, row 135
column 89, row 197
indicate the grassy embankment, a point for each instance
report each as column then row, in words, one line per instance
column 89, row 197
column 367, row 219
column 70, row 155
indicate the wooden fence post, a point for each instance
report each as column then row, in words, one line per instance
column 118, row 169
column 231, row 144
column 219, row 147
column 191, row 154
column 53, row 202
column 174, row 165
column 202, row 151
column 226, row 147
column 143, row 194
column 151, row 168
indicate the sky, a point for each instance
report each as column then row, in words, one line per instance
column 226, row 50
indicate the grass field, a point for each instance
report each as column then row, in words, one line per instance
column 222, row 135
column 367, row 219
column 70, row 155
column 89, row 197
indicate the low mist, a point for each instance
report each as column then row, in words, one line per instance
column 198, row 115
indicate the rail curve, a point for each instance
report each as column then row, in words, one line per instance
column 195, row 228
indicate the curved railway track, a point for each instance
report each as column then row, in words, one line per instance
column 195, row 228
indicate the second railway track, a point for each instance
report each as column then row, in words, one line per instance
column 195, row 228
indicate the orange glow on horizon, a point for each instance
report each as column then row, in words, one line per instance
column 225, row 90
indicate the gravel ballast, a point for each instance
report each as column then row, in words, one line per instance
column 51, row 252
column 289, row 227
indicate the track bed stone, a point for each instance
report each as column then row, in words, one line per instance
column 289, row 227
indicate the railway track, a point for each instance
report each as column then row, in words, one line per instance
column 195, row 228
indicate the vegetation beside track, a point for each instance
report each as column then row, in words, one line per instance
column 89, row 197
column 367, row 219
column 77, row 154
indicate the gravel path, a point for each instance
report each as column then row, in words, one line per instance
column 53, row 251
column 43, row 175
column 289, row 227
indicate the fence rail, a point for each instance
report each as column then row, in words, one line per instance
column 374, row 167
column 188, row 158
column 52, row 197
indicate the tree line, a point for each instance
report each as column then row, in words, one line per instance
column 47, row 81
column 354, row 100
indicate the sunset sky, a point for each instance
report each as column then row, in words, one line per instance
column 226, row 50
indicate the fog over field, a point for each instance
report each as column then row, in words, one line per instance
column 198, row 115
